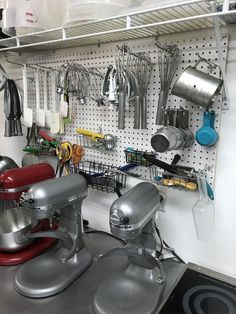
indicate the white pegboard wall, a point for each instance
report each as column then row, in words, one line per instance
column 90, row 116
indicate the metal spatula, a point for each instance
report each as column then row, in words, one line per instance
column 27, row 112
column 48, row 114
column 40, row 114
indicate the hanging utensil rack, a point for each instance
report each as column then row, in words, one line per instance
column 92, row 117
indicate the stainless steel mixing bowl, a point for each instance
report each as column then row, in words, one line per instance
column 14, row 223
column 7, row 163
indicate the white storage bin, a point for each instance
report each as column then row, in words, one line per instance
column 89, row 10
column 49, row 12
column 149, row 4
column 18, row 18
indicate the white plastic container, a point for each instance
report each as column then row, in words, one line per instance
column 78, row 11
column 18, row 18
column 149, row 4
column 49, row 12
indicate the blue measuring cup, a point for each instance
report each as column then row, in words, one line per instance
column 207, row 135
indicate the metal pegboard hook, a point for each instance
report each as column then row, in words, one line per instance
column 140, row 55
column 124, row 48
column 226, row 101
column 170, row 49
column 210, row 64
column 36, row 67
column 158, row 44
column 43, row 68
column 18, row 64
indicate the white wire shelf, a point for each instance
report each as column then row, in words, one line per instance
column 182, row 17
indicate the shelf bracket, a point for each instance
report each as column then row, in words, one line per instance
column 63, row 33
column 128, row 21
column 17, row 42
column 225, row 7
column 212, row 5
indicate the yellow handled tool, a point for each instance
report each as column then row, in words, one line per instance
column 64, row 153
column 180, row 182
column 91, row 134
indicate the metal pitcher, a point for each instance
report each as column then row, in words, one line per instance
column 198, row 87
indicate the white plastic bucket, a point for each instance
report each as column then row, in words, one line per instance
column 18, row 18
column 50, row 13
column 78, row 11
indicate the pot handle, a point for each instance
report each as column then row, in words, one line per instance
column 211, row 64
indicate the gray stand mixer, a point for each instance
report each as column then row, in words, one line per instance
column 138, row 286
column 52, row 272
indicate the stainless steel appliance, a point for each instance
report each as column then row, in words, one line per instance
column 6, row 163
column 137, row 287
column 201, row 290
column 15, row 181
column 52, row 272
column 15, row 221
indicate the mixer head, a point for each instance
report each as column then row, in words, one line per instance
column 46, row 197
column 15, row 181
column 132, row 211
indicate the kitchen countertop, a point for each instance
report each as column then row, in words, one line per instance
column 78, row 297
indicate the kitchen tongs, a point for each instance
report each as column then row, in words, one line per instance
column 173, row 169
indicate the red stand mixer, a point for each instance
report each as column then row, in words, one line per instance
column 16, row 221
column 6, row 163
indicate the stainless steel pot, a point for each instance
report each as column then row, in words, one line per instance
column 166, row 139
column 14, row 223
column 198, row 87
column 189, row 138
column 171, row 138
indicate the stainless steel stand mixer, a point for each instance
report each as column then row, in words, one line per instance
column 52, row 272
column 137, row 287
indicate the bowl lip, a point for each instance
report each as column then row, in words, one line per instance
column 156, row 146
column 26, row 227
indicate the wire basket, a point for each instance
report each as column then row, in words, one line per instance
column 167, row 179
column 136, row 157
column 101, row 177
column 90, row 143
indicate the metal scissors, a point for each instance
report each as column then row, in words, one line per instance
column 64, row 153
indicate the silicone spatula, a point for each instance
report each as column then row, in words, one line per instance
column 68, row 119
column 55, row 117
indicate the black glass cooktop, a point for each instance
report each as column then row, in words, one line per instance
column 197, row 293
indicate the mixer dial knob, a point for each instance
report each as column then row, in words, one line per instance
column 118, row 218
column 115, row 219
